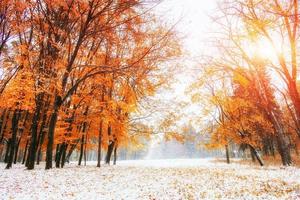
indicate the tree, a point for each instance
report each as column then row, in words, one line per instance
column 87, row 65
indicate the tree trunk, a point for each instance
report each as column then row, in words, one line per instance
column 57, row 157
column 227, row 154
column 81, row 149
column 42, row 131
column 283, row 150
column 63, row 157
column 99, row 144
column 40, row 145
column 294, row 94
column 256, row 155
column 73, row 146
column 3, row 124
column 252, row 153
column 17, row 150
column 7, row 150
column 34, row 130
column 283, row 147
column 25, row 153
column 52, row 124
column 115, row 155
column 15, row 120
column 85, row 150
column 109, row 152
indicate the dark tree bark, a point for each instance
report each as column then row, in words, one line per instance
column 252, row 153
column 34, row 130
column 256, row 155
column 52, row 124
column 283, row 147
column 42, row 131
column 1, row 153
column 284, row 151
column 25, row 153
column 15, row 120
column 227, row 154
column 115, row 154
column 109, row 152
column 17, row 150
column 3, row 124
column 40, row 145
column 110, row 146
column 63, row 157
column 57, row 155
column 7, row 150
column 73, row 146
column 99, row 144
column 85, row 150
column 81, row 149
column 21, row 130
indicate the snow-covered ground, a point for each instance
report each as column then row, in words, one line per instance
column 152, row 179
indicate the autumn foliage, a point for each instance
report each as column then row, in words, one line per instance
column 252, row 85
column 72, row 74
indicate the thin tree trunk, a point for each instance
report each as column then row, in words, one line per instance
column 227, row 154
column 1, row 152
column 16, row 151
column 294, row 94
column 256, row 155
column 99, row 144
column 7, row 150
column 25, row 153
column 252, row 153
column 109, row 152
column 81, row 149
column 115, row 154
column 85, row 150
column 40, row 145
column 73, row 146
column 57, row 155
column 2, row 125
column 3, row 129
column 52, row 124
column 21, row 136
column 42, row 139
column 63, row 158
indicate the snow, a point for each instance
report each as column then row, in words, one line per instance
column 152, row 179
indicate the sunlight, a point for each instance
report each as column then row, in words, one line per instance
column 263, row 49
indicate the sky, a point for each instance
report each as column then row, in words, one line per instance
column 194, row 26
column 194, row 21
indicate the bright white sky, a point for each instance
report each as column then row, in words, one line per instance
column 194, row 20
column 194, row 26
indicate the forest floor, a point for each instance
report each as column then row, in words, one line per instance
column 152, row 179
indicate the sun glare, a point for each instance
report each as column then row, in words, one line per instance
column 263, row 49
